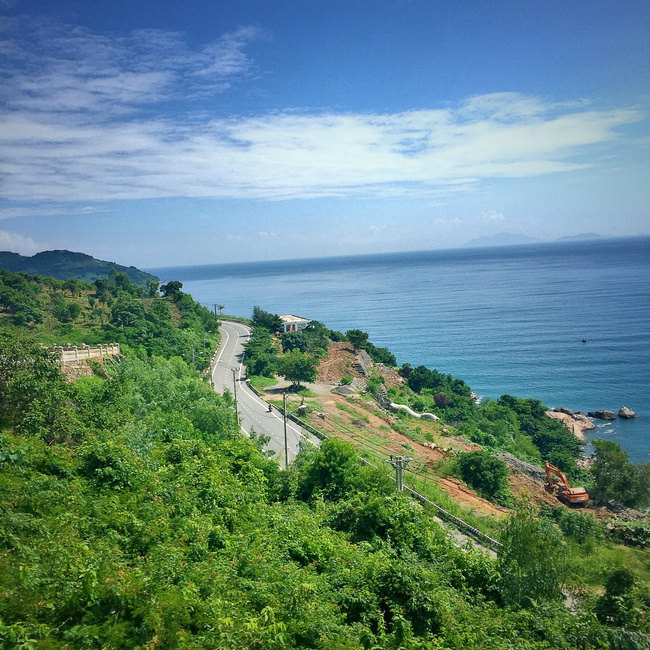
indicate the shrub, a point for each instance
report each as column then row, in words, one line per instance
column 487, row 474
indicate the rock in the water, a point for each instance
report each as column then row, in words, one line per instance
column 563, row 409
column 603, row 414
column 625, row 412
column 584, row 421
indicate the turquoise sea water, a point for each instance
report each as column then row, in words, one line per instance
column 506, row 320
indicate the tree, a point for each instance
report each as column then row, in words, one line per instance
column 531, row 560
column 33, row 395
column 296, row 366
column 63, row 310
column 74, row 286
column 621, row 604
column 554, row 441
column 616, row 478
column 358, row 338
column 487, row 474
column 172, row 289
column 294, row 341
column 333, row 471
column 19, row 297
column 267, row 320
column 261, row 356
column 151, row 289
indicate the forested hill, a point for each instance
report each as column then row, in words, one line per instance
column 134, row 514
column 62, row 264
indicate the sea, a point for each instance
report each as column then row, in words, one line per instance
column 564, row 322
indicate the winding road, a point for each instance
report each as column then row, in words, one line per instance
column 228, row 373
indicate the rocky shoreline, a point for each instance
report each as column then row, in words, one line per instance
column 577, row 422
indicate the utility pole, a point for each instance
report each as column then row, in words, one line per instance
column 400, row 464
column 214, row 304
column 234, row 383
column 284, row 413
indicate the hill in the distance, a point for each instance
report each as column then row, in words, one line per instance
column 581, row 237
column 516, row 239
column 63, row 265
column 501, row 239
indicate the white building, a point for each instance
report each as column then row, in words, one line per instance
column 291, row 323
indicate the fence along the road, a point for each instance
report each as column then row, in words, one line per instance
column 73, row 353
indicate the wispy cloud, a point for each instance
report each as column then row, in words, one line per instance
column 86, row 119
column 59, row 68
column 47, row 209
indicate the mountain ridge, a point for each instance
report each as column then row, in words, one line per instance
column 65, row 264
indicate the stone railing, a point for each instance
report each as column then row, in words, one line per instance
column 74, row 353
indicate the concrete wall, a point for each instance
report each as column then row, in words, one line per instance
column 73, row 353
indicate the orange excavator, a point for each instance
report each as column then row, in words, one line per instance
column 571, row 496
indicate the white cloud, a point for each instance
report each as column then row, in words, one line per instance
column 287, row 155
column 59, row 68
column 78, row 126
column 493, row 216
column 12, row 241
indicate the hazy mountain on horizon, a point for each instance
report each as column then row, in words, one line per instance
column 501, row 239
column 514, row 239
column 586, row 235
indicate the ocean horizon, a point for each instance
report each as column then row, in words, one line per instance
column 507, row 320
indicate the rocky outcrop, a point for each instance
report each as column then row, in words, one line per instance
column 603, row 414
column 563, row 409
column 627, row 413
column 584, row 421
column 577, row 422
column 363, row 363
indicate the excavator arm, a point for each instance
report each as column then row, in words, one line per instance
column 566, row 493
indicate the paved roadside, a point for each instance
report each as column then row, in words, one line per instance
column 254, row 416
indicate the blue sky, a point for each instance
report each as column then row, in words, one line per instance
column 168, row 133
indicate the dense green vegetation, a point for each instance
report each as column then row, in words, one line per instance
column 293, row 356
column 111, row 309
column 149, row 520
column 64, row 265
column 296, row 356
column 518, row 426
column 509, row 424
column 616, row 479
column 134, row 514
column 486, row 474
column 359, row 340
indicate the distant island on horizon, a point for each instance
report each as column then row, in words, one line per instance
column 517, row 239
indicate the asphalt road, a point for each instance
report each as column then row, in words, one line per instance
column 254, row 415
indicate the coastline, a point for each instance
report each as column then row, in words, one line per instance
column 576, row 423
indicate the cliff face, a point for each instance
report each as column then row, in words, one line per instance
column 63, row 265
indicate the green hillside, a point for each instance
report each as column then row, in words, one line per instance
column 134, row 514
column 62, row 264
